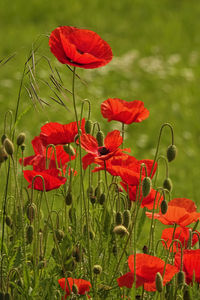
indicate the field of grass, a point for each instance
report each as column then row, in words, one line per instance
column 156, row 47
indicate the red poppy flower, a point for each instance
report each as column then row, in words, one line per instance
column 82, row 285
column 146, row 268
column 51, row 179
column 38, row 161
column 79, row 47
column 182, row 234
column 148, row 201
column 180, row 211
column 123, row 111
column 56, row 133
column 98, row 154
column 191, row 265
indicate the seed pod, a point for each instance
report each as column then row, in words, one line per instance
column 171, row 153
column 8, row 221
column 120, row 230
column 146, row 186
column 69, row 149
column 9, row 146
column 59, row 234
column 100, row 138
column 181, row 278
column 118, row 218
column 29, row 234
column 164, row 207
column 102, row 199
column 20, row 139
column 97, row 269
column 75, row 289
column 159, row 282
column 3, row 154
column 126, row 218
column 88, row 126
column 3, row 137
column 31, row 211
column 167, row 184
column 68, row 198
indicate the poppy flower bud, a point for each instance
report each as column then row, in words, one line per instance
column 20, row 139
column 3, row 138
column 68, row 198
column 31, row 211
column 9, row 146
column 120, row 230
column 159, row 282
column 145, row 249
column 118, row 218
column 69, row 149
column 171, row 152
column 167, row 184
column 92, row 200
column 8, row 221
column 90, row 191
column 97, row 191
column 75, row 289
column 77, row 254
column 3, row 154
column 186, row 294
column 23, row 147
column 164, row 207
column 97, row 269
column 102, row 198
column 146, row 186
column 100, row 138
column 29, row 234
column 59, row 234
column 114, row 250
column 88, row 126
column 126, row 218
column 181, row 278
column 7, row 296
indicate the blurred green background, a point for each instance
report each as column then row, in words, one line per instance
column 156, row 59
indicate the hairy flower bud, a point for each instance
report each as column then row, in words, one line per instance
column 97, row 269
column 126, row 218
column 167, row 184
column 159, row 282
column 164, row 207
column 102, row 198
column 69, row 149
column 8, row 221
column 68, row 198
column 31, row 211
column 9, row 146
column 181, row 278
column 59, row 235
column 3, row 154
column 120, row 230
column 20, row 139
column 88, row 126
column 75, row 289
column 3, row 138
column 29, row 234
column 100, row 138
column 146, row 186
column 118, row 218
column 171, row 152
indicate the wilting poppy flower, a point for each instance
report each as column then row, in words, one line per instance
column 51, row 179
column 123, row 111
column 181, row 211
column 191, row 265
column 182, row 234
column 148, row 201
column 82, row 285
column 98, row 154
column 58, row 134
column 147, row 267
column 79, row 47
column 38, row 161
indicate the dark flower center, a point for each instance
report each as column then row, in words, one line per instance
column 103, row 151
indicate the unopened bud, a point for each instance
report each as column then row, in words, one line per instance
column 159, row 282
column 8, row 221
column 146, row 186
column 167, row 184
column 69, row 149
column 3, row 138
column 90, row 191
column 20, row 139
column 29, row 234
column 23, row 146
column 126, row 218
column 145, row 249
column 100, row 138
column 181, row 278
column 3, row 154
column 97, row 269
column 102, row 198
column 68, row 198
column 88, row 126
column 31, row 211
column 171, row 152
column 9, row 146
column 120, row 230
column 59, row 234
column 93, row 200
column 118, row 218
column 164, row 207
column 75, row 289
